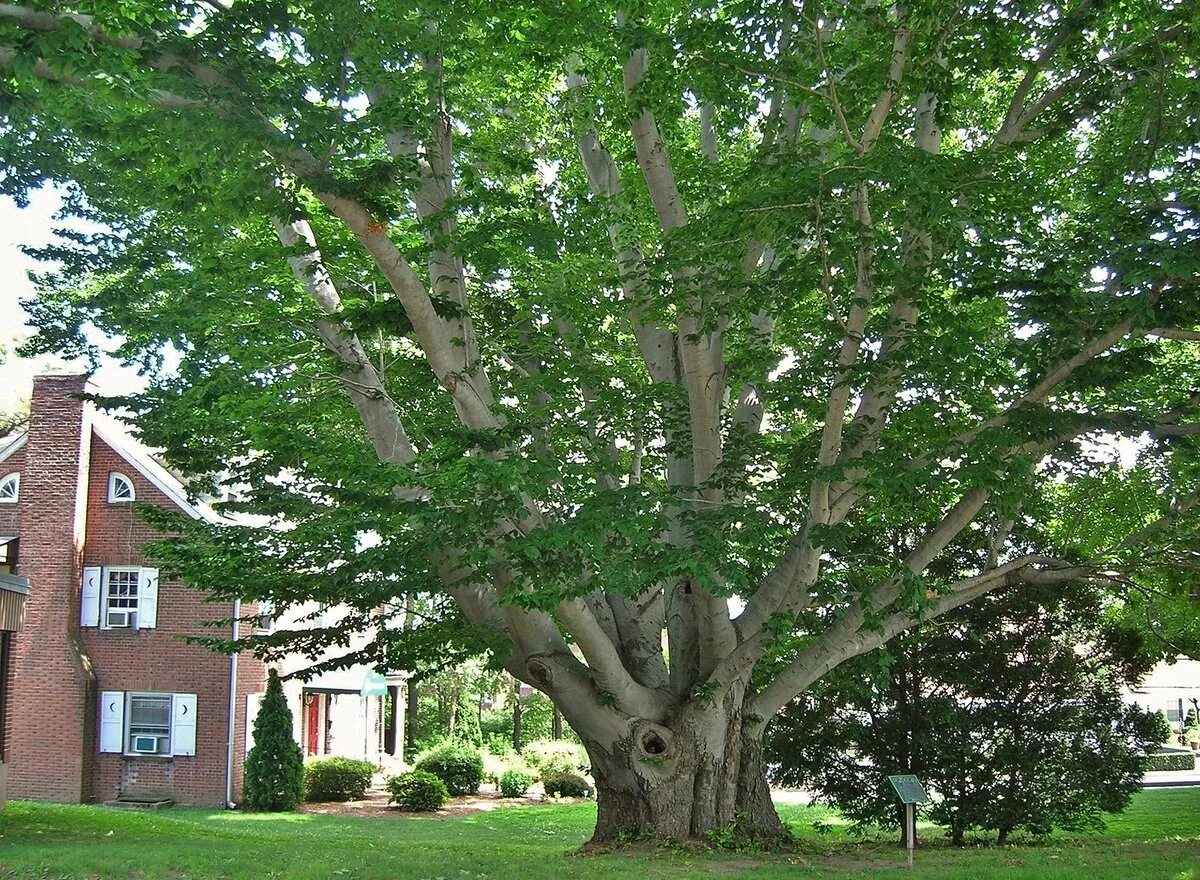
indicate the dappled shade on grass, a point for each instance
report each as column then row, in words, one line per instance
column 1158, row 837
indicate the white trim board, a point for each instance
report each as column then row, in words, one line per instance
column 156, row 474
column 13, row 446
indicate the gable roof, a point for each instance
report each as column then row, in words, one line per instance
column 9, row 445
column 142, row 460
column 138, row 456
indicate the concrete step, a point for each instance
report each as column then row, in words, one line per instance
column 124, row 803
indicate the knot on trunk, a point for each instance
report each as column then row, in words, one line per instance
column 540, row 672
column 653, row 742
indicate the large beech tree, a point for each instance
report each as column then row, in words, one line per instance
column 619, row 332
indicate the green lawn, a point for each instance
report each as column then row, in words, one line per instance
column 1159, row 837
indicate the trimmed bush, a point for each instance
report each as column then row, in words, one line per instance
column 274, row 770
column 514, row 783
column 337, row 779
column 566, row 785
column 456, row 763
column 417, row 792
column 1170, row 761
column 547, row 757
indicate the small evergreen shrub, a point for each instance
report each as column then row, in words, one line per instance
column 456, row 763
column 1170, row 761
column 566, row 785
column 514, row 783
column 273, row 778
column 417, row 792
column 546, row 757
column 337, row 779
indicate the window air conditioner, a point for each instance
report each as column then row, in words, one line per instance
column 145, row 745
column 116, row 619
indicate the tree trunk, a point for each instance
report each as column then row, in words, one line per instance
column 703, row 776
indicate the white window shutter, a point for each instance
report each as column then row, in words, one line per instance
column 183, row 725
column 112, row 721
column 147, row 616
column 253, row 704
column 89, row 602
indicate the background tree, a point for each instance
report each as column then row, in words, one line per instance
column 1011, row 710
column 597, row 316
column 274, row 773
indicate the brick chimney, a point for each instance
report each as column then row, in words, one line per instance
column 52, row 719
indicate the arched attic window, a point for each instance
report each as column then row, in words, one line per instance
column 10, row 488
column 120, row 488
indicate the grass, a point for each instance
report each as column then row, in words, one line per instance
column 1158, row 837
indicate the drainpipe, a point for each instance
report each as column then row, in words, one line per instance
column 233, row 668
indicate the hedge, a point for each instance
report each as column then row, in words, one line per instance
column 417, row 792
column 1171, row 761
column 337, row 779
column 514, row 783
column 456, row 763
column 566, row 785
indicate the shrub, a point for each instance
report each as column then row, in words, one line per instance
column 1043, row 743
column 274, row 771
column 547, row 757
column 337, row 779
column 566, row 785
column 1162, row 727
column 495, row 766
column 417, row 791
column 456, row 763
column 1170, row 761
column 514, row 783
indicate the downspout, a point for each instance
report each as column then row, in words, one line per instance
column 233, row 668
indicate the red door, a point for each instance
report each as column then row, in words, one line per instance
column 314, row 721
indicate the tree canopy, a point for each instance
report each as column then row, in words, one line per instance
column 582, row 319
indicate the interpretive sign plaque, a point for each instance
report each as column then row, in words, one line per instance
column 909, row 789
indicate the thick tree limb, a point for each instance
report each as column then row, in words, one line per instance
column 605, row 662
column 362, row 382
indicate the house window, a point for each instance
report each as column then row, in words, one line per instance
column 8, row 554
column 265, row 621
column 149, row 728
column 10, row 489
column 120, row 489
column 121, row 596
column 151, row 725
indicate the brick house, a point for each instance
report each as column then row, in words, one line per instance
column 107, row 699
column 13, row 591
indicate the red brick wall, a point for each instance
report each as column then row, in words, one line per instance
column 52, row 712
column 8, row 512
column 71, row 768
column 156, row 660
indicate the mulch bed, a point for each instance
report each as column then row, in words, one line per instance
column 375, row 805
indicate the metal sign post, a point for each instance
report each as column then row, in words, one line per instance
column 911, row 792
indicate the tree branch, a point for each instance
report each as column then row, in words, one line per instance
column 359, row 377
